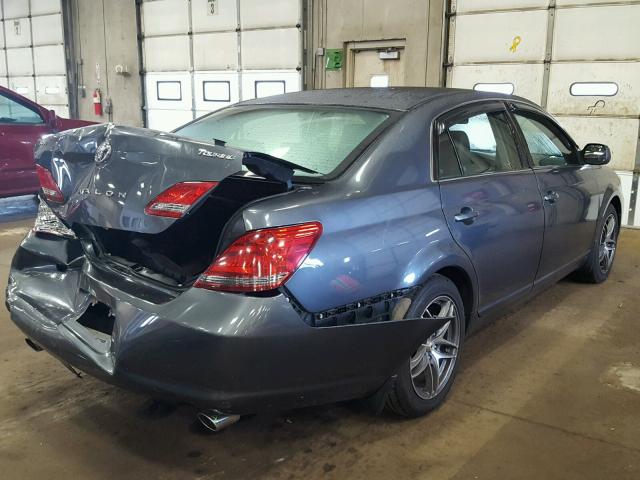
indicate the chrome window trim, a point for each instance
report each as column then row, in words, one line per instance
column 490, row 174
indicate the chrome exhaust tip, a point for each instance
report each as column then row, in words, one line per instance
column 215, row 421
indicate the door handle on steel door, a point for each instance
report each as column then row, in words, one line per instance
column 551, row 196
column 466, row 215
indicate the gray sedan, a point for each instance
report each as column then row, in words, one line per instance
column 306, row 248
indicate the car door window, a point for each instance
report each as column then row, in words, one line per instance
column 448, row 165
column 12, row 112
column 477, row 144
column 547, row 145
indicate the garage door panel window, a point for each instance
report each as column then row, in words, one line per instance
column 216, row 91
column 482, row 143
column 22, row 90
column 593, row 89
column 506, row 88
column 169, row 90
column 14, row 113
column 267, row 88
column 547, row 145
column 51, row 90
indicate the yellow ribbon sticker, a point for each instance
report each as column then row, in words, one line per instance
column 516, row 42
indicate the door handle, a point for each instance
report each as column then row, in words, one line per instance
column 551, row 196
column 466, row 215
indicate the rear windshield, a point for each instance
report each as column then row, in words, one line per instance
column 318, row 139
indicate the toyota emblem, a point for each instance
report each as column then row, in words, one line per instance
column 102, row 152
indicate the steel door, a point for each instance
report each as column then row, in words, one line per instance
column 495, row 216
column 570, row 192
column 369, row 70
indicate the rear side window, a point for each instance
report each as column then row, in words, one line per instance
column 547, row 144
column 448, row 165
column 316, row 138
column 477, row 144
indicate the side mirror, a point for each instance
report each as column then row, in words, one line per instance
column 52, row 119
column 596, row 154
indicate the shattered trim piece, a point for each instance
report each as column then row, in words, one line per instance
column 376, row 309
column 48, row 222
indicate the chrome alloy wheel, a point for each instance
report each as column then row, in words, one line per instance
column 432, row 364
column 607, row 247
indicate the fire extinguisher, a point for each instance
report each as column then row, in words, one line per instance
column 97, row 102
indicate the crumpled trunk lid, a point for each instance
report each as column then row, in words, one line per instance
column 108, row 174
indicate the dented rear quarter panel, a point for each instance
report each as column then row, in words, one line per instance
column 237, row 353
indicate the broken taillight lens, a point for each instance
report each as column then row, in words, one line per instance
column 49, row 186
column 177, row 199
column 48, row 222
column 261, row 259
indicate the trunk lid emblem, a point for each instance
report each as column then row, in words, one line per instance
column 208, row 153
column 102, row 152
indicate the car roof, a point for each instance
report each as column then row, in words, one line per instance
column 390, row 98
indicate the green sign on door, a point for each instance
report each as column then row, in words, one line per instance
column 334, row 58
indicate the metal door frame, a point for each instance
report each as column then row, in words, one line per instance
column 354, row 47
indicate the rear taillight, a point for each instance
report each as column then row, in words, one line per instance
column 176, row 200
column 261, row 259
column 49, row 186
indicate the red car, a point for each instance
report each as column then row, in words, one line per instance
column 22, row 123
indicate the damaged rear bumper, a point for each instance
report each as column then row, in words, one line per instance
column 235, row 353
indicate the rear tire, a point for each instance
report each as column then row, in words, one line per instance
column 424, row 380
column 598, row 264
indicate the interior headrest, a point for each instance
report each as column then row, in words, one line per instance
column 460, row 139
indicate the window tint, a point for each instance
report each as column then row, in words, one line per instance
column 482, row 143
column 14, row 112
column 547, row 145
column 319, row 139
column 448, row 166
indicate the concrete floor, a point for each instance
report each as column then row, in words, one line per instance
column 552, row 391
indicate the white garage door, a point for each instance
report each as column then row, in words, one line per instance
column 202, row 55
column 578, row 58
column 32, row 53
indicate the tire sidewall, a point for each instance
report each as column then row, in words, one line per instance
column 413, row 404
column 598, row 275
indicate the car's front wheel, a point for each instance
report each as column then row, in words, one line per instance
column 424, row 380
